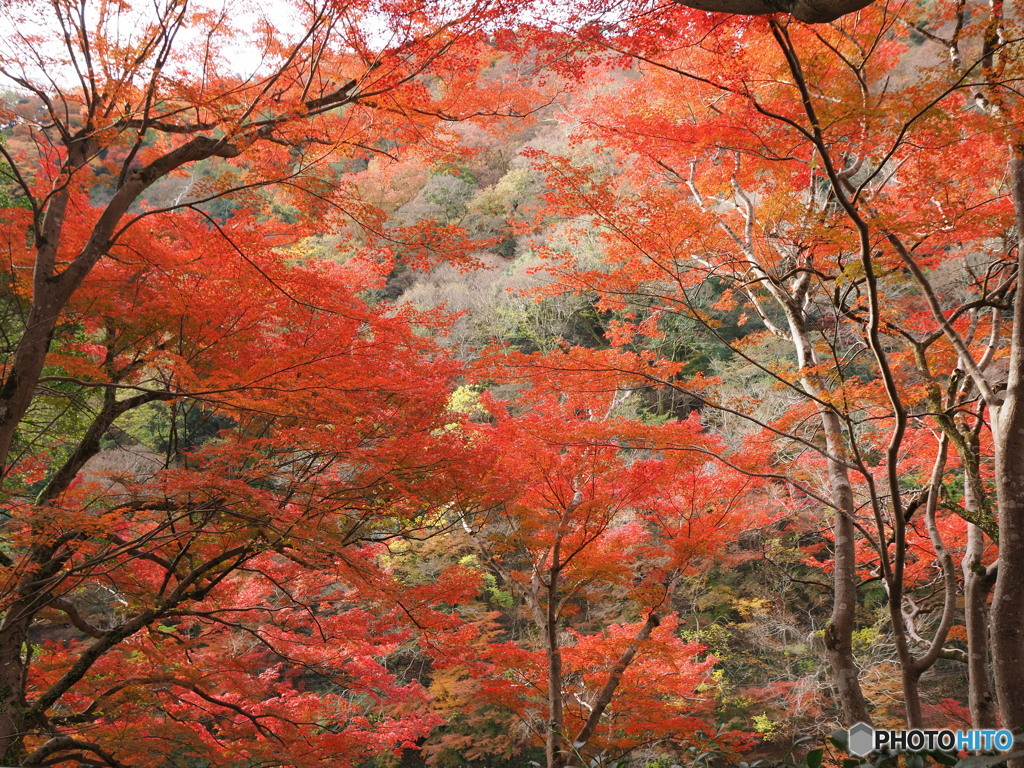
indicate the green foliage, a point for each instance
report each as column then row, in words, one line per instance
column 866, row 637
column 170, row 428
column 551, row 322
column 499, row 597
column 455, row 170
column 11, row 195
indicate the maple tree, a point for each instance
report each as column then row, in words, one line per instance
column 590, row 539
column 191, row 590
column 224, row 603
column 194, row 276
column 796, row 205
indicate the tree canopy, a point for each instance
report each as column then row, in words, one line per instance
column 472, row 384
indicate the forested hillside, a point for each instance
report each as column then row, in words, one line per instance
column 483, row 384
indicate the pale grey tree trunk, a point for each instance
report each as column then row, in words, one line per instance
column 977, row 587
column 1007, row 614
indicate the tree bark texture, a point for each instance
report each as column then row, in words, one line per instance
column 1007, row 628
column 842, row 622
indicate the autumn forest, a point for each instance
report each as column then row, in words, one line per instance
column 487, row 384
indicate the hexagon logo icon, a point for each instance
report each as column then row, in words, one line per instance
column 861, row 738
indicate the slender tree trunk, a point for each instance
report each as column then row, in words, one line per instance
column 554, row 747
column 978, row 582
column 1007, row 606
column 913, row 666
column 842, row 622
column 977, row 587
column 910, row 678
column 604, row 697
column 839, row 632
column 791, row 300
column 1008, row 427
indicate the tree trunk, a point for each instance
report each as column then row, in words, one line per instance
column 19, row 388
column 842, row 622
column 554, row 748
column 604, row 698
column 977, row 587
column 34, row 593
column 978, row 581
column 1008, row 434
column 839, row 632
column 1007, row 609
column 13, row 708
column 52, row 289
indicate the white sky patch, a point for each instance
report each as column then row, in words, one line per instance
column 220, row 35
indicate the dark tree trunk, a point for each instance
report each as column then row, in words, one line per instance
column 811, row 11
